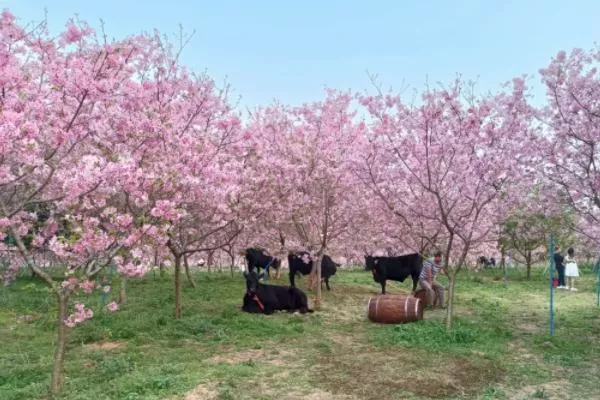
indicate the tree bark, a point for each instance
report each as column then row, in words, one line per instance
column 318, row 266
column 232, row 255
column 188, row 274
column 528, row 262
column 450, row 300
column 451, row 273
column 177, row 286
column 59, row 355
column 210, row 259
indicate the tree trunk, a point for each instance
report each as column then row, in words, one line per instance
column 318, row 273
column 123, row 291
column 210, row 259
column 528, row 261
column 34, row 275
column 450, row 300
column 451, row 273
column 232, row 255
column 505, row 274
column 190, row 278
column 61, row 345
column 178, row 286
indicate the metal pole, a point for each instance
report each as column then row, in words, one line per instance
column 551, row 285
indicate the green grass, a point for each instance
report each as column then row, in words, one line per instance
column 499, row 347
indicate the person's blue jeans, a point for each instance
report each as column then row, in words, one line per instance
column 561, row 275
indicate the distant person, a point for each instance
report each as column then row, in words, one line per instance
column 571, row 269
column 509, row 260
column 560, row 268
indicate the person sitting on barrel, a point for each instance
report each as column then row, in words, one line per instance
column 428, row 282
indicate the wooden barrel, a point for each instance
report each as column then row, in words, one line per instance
column 394, row 309
column 422, row 295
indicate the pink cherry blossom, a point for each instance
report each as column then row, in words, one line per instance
column 80, row 315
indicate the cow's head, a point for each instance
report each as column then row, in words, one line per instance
column 252, row 281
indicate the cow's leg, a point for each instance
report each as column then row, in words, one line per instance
column 415, row 280
column 292, row 277
column 383, row 286
column 327, row 283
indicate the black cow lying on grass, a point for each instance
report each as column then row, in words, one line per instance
column 301, row 262
column 258, row 258
column 395, row 268
column 265, row 299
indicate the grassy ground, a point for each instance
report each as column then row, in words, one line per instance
column 498, row 349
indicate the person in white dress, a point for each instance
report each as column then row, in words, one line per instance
column 571, row 269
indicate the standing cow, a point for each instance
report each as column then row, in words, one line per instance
column 258, row 258
column 301, row 262
column 395, row 268
column 487, row 263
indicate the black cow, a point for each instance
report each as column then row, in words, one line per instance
column 483, row 260
column 265, row 299
column 302, row 262
column 258, row 258
column 395, row 268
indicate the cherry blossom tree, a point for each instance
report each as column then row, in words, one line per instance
column 527, row 232
column 303, row 158
column 573, row 126
column 122, row 145
column 454, row 161
column 178, row 143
